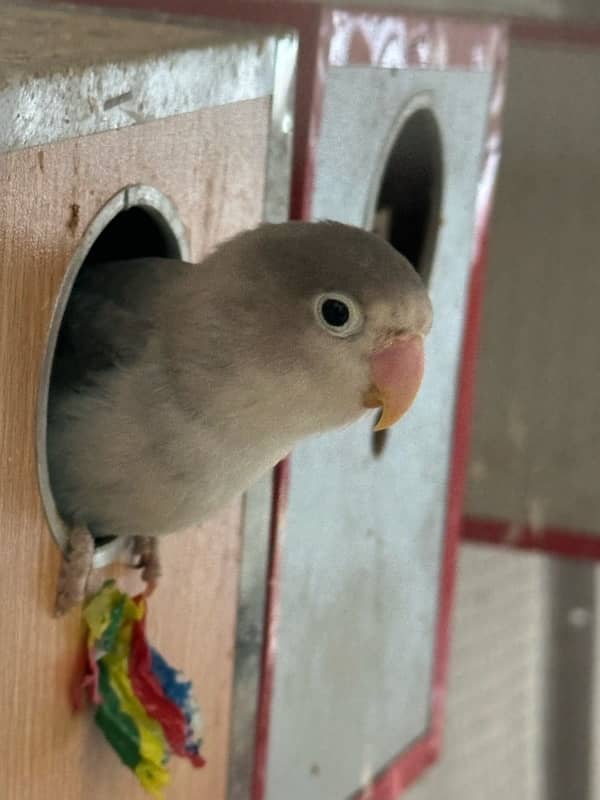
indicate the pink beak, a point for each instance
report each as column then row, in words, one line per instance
column 396, row 375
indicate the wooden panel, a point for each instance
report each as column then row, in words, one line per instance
column 211, row 164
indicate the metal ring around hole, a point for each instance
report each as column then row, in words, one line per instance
column 166, row 216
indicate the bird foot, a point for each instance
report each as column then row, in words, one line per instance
column 74, row 571
column 146, row 557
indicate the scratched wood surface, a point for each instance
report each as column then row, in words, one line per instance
column 211, row 165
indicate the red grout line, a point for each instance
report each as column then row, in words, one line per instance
column 564, row 542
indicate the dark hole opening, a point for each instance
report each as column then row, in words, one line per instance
column 408, row 205
column 378, row 442
column 137, row 232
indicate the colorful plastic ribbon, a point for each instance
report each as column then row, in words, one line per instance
column 144, row 707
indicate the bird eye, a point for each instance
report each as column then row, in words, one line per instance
column 335, row 312
column 339, row 314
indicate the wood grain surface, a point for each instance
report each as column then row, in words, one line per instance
column 211, row 165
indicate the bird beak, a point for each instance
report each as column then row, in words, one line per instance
column 396, row 374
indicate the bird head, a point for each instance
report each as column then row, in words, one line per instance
column 335, row 314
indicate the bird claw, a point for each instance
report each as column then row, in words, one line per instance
column 146, row 557
column 75, row 570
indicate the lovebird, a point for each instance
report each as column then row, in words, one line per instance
column 176, row 385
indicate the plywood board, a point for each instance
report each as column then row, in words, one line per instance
column 211, row 165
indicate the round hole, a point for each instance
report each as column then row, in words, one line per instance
column 408, row 201
column 138, row 222
column 407, row 211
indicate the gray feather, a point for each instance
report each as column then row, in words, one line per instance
column 179, row 384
